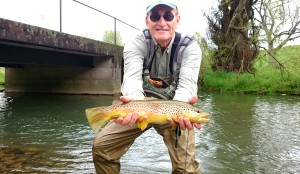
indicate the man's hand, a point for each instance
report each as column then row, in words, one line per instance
column 185, row 123
column 131, row 118
column 126, row 99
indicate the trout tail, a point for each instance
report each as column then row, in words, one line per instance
column 203, row 117
column 96, row 118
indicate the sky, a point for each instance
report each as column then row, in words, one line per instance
column 81, row 20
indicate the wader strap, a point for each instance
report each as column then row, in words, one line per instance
column 174, row 46
column 150, row 46
column 178, row 55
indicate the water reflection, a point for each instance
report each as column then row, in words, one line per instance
column 251, row 134
column 228, row 137
column 42, row 133
column 276, row 135
column 53, row 125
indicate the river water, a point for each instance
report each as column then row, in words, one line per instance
column 43, row 133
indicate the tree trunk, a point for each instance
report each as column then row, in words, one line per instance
column 272, row 55
column 236, row 51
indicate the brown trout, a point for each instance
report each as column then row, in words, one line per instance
column 157, row 112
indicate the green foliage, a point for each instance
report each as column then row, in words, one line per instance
column 207, row 53
column 109, row 37
column 287, row 56
column 266, row 80
column 2, row 78
column 276, row 22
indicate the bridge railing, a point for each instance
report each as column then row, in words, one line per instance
column 92, row 8
column 72, row 17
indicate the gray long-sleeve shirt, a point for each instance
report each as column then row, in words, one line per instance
column 136, row 50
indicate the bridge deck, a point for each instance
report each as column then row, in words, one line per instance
column 21, row 39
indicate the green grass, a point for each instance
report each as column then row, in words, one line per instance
column 265, row 80
column 2, row 79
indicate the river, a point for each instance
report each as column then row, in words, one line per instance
column 49, row 133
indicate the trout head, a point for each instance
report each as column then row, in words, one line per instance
column 196, row 115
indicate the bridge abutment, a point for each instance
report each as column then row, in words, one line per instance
column 65, row 80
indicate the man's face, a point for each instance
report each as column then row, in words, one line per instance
column 162, row 22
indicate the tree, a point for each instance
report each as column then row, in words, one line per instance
column 109, row 37
column 230, row 29
column 206, row 56
column 279, row 22
column 205, row 49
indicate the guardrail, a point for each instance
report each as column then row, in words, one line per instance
column 114, row 18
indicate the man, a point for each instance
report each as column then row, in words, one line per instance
column 114, row 140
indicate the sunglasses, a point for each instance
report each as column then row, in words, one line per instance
column 155, row 17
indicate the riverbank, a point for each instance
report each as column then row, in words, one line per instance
column 266, row 79
column 263, row 82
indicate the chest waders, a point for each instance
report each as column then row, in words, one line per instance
column 159, row 88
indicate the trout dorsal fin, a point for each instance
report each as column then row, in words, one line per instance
column 116, row 102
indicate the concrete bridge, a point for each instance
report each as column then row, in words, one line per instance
column 42, row 60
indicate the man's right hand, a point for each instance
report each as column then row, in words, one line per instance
column 131, row 118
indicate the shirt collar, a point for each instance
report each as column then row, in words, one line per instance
column 169, row 46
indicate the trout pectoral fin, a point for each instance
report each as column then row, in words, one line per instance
column 204, row 120
column 142, row 125
column 174, row 127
